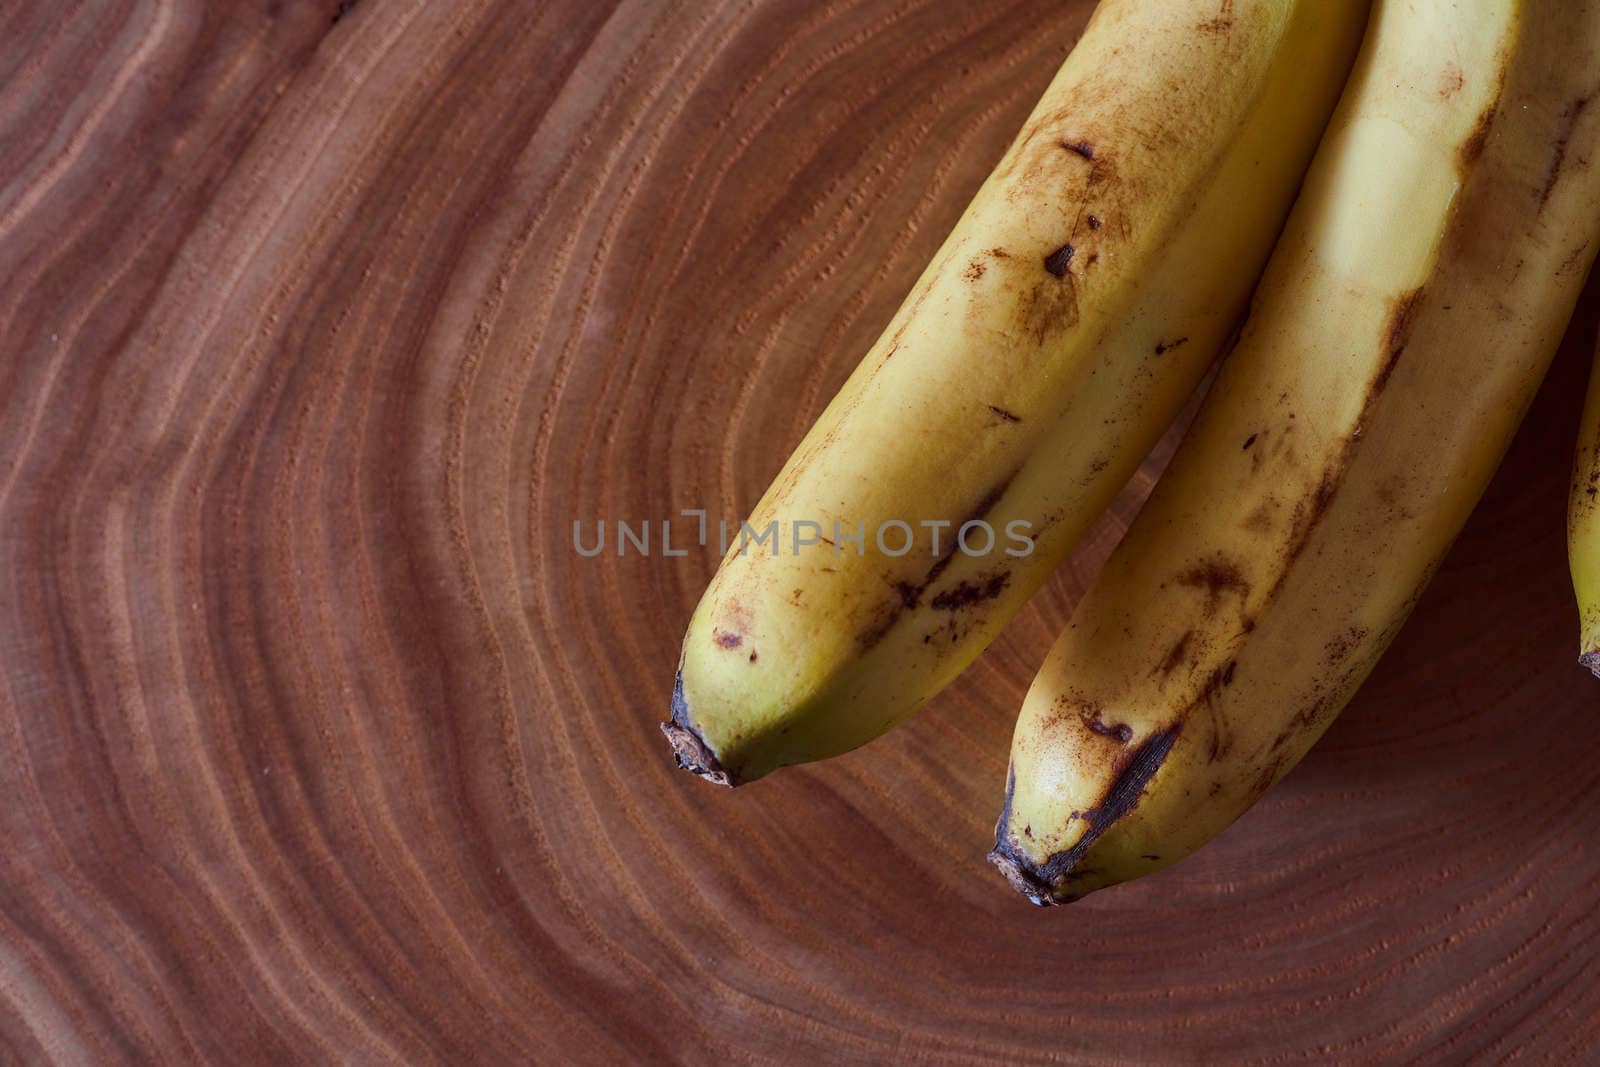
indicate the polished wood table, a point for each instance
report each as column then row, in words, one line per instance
column 320, row 324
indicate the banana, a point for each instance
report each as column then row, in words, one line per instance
column 1051, row 341
column 1402, row 327
column 1583, row 528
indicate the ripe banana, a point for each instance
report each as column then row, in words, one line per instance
column 1412, row 306
column 1041, row 355
column 1583, row 528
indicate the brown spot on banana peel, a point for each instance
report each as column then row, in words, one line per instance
column 1472, row 148
column 1217, row 576
column 1039, row 147
column 1391, row 494
column 726, row 640
column 907, row 598
column 1047, row 883
column 1329, row 699
column 1223, row 21
column 1339, row 648
column 1048, row 308
column 688, row 747
column 886, row 618
column 1577, row 260
column 982, row 509
column 1121, row 731
column 1396, row 335
column 1175, row 656
column 1264, row 780
column 1451, row 81
column 1005, row 416
column 909, row 595
column 1569, row 123
column 1221, row 739
column 967, row 594
column 1059, row 262
column 1259, row 521
column 1097, row 467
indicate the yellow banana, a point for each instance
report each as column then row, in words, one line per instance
column 1583, row 528
column 1046, row 348
column 1408, row 314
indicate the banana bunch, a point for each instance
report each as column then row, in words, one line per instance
column 1408, row 313
column 1055, row 336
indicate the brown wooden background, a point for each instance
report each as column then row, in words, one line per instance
column 317, row 741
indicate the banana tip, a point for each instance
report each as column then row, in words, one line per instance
column 688, row 747
column 1592, row 661
column 1023, row 878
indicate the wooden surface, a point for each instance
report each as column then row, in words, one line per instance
column 319, row 743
